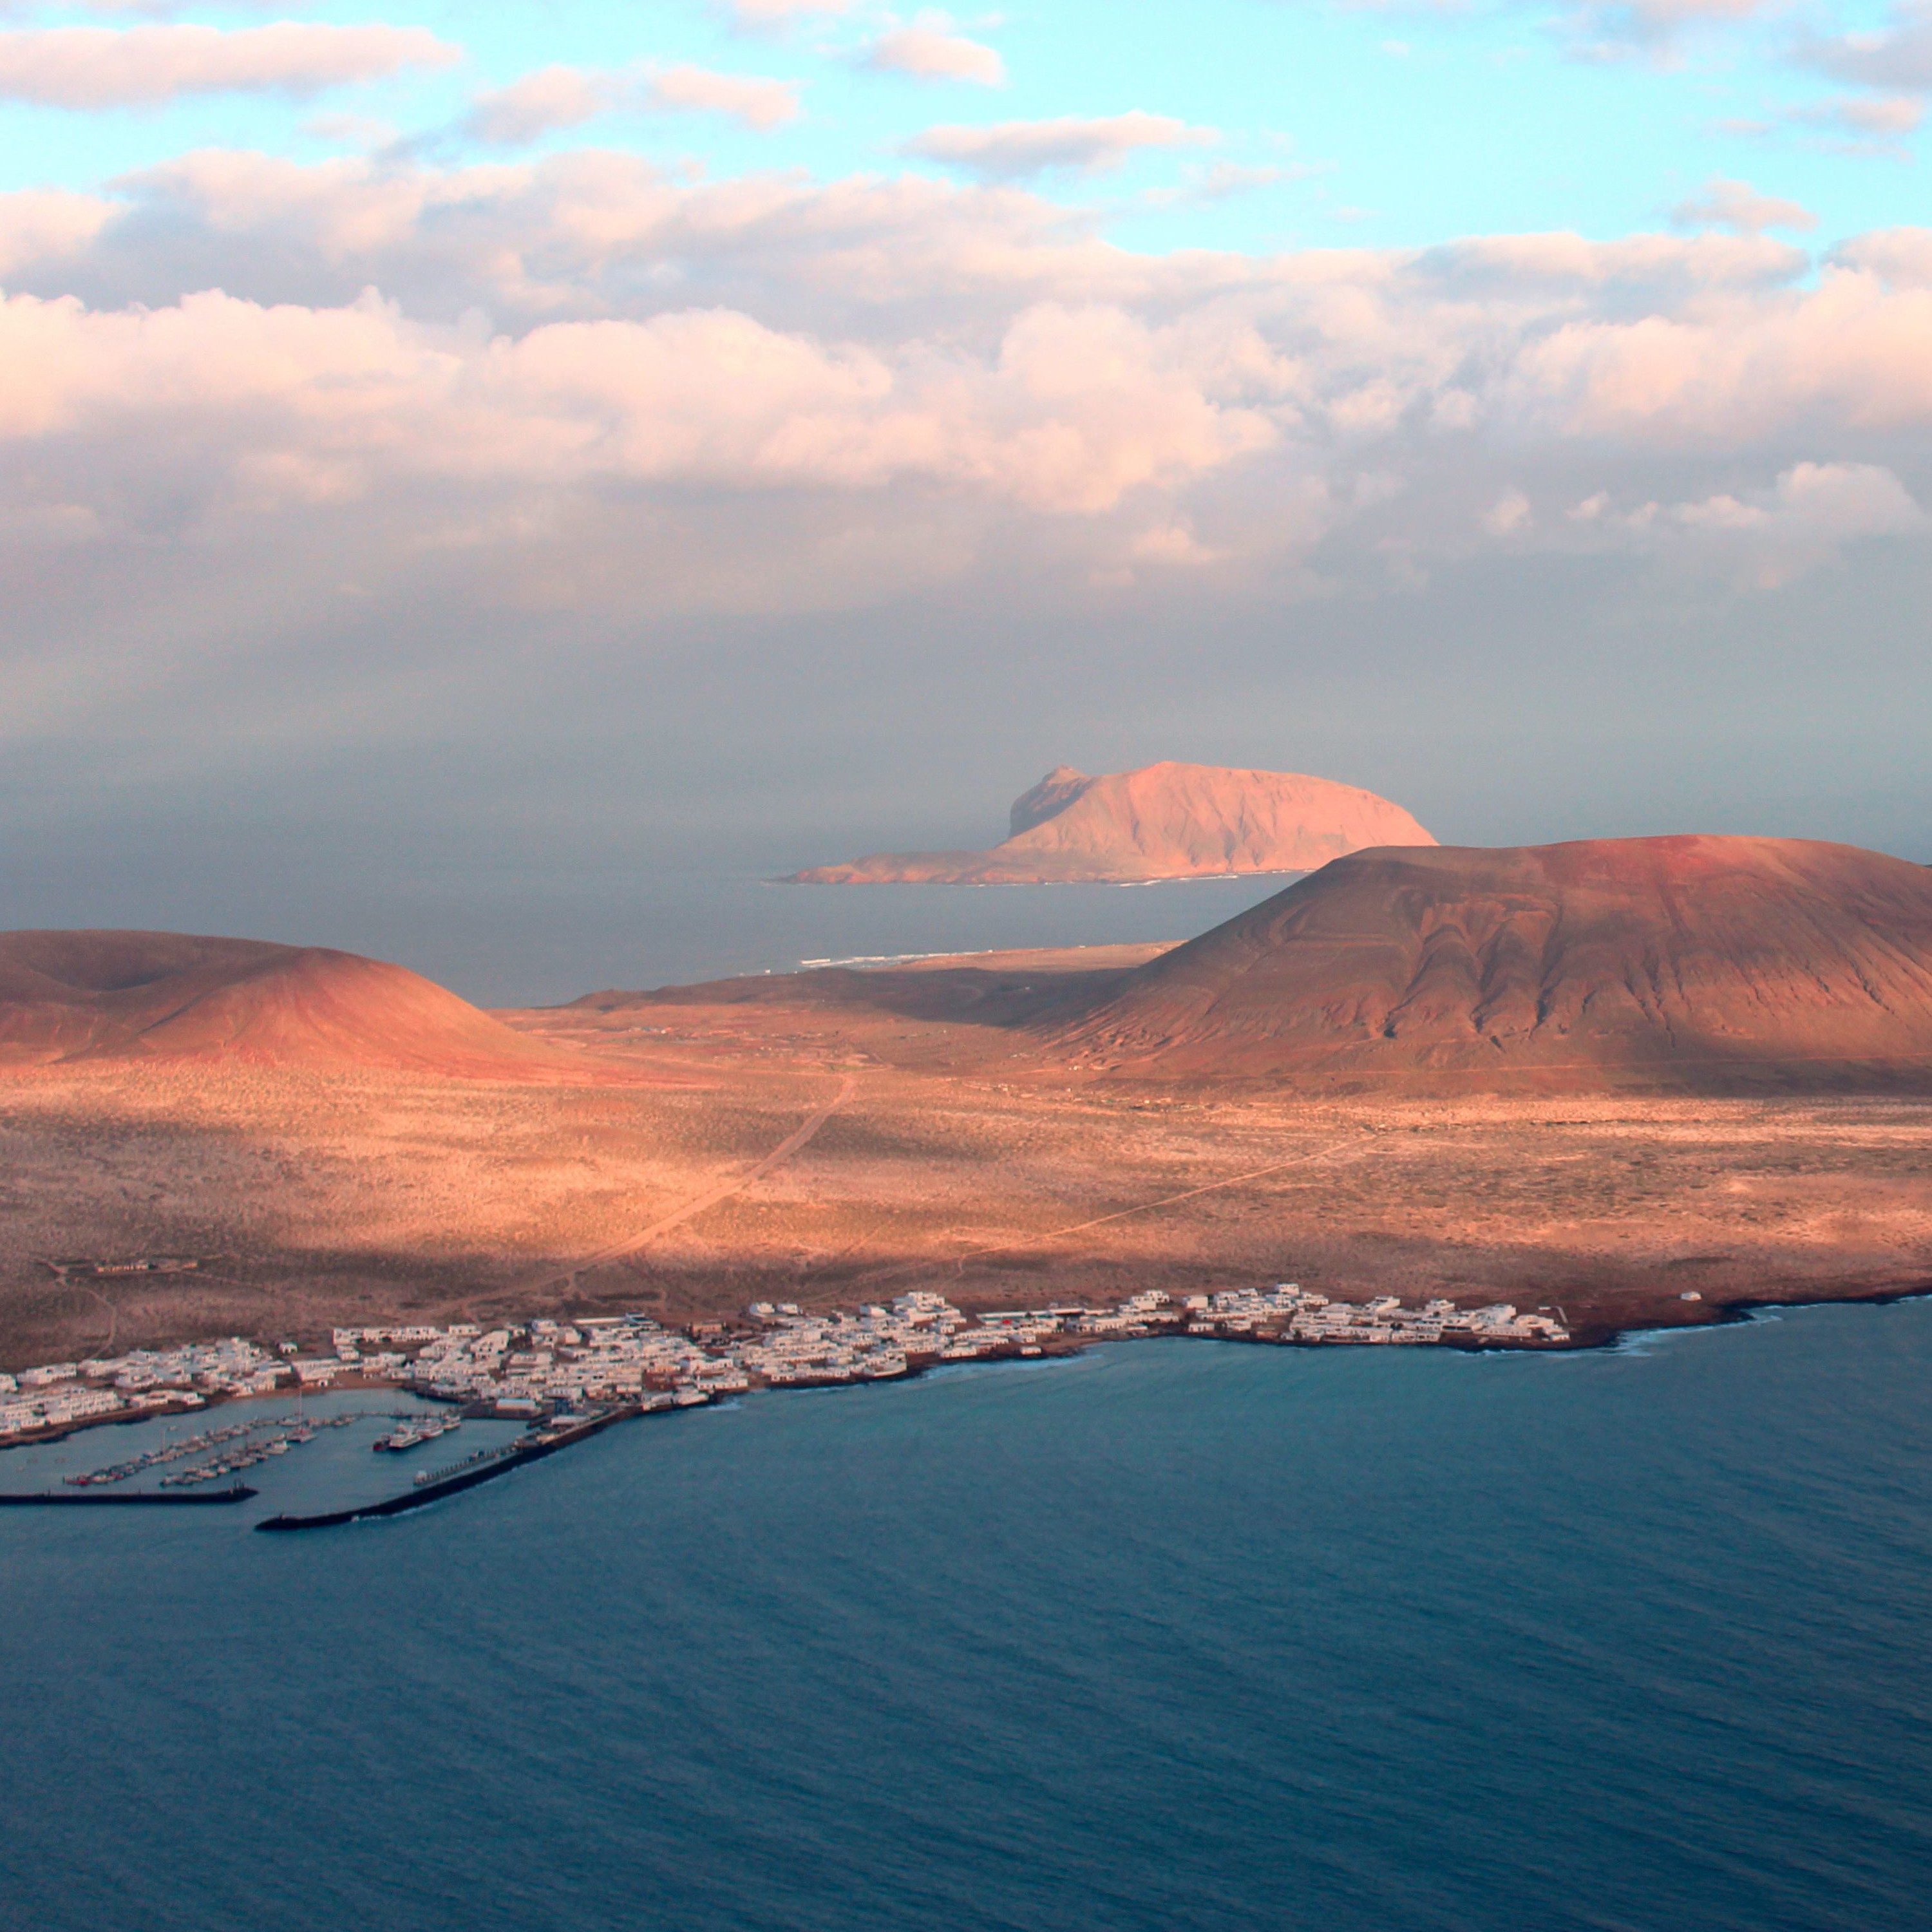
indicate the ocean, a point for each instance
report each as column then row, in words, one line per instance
column 521, row 938
column 1174, row 1635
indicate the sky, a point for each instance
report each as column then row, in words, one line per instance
column 442, row 447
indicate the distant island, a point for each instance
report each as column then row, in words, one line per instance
column 1164, row 821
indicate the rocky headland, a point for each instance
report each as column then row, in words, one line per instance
column 1164, row 821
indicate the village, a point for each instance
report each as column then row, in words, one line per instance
column 547, row 1366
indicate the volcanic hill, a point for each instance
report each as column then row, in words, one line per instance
column 1164, row 821
column 163, row 996
column 1685, row 963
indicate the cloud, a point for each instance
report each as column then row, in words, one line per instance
column 1808, row 517
column 769, row 17
column 930, row 53
column 1075, row 410
column 102, row 67
column 1202, row 186
column 1900, row 257
column 1898, row 56
column 538, row 103
column 1508, row 514
column 1886, row 115
column 1016, row 150
column 1737, row 206
column 1615, row 29
column 959, row 370
column 1870, row 125
column 1849, row 354
column 39, row 225
column 760, row 103
column 554, row 98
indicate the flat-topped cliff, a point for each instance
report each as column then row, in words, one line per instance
column 1164, row 821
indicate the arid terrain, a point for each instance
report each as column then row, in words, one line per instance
column 1637, row 1080
column 953, row 1157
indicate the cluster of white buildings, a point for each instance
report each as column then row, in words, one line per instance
column 1291, row 1313
column 545, row 1365
column 58, row 1394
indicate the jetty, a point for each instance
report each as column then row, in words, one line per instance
column 235, row 1492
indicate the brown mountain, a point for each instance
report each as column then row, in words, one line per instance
column 1675, row 961
column 164, row 996
column 1164, row 821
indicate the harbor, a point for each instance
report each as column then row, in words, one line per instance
column 568, row 1381
column 485, row 1466
column 545, row 1367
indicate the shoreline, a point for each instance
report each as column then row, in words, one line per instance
column 1058, row 1346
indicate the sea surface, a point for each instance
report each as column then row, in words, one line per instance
column 520, row 939
column 1174, row 1635
column 516, row 935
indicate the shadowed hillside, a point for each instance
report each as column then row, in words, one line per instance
column 1680, row 960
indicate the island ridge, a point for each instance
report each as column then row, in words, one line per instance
column 1164, row 821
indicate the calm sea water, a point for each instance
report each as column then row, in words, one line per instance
column 1176, row 1635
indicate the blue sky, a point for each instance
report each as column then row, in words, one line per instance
column 1388, row 126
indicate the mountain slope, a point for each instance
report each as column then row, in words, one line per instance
column 1164, row 821
column 1681, row 960
column 161, row 996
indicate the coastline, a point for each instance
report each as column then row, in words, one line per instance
column 1061, row 1346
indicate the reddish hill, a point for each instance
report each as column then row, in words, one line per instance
column 1678, row 962
column 91, row 996
column 1164, row 821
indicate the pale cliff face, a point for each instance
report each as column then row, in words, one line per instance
column 1164, row 821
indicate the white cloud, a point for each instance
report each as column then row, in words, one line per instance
column 931, row 53
column 770, row 360
column 1901, row 257
column 1737, row 206
column 48, row 224
column 1016, row 150
column 554, row 98
column 1894, row 115
column 758, row 102
column 538, row 103
column 104, row 67
column 1763, row 539
column 1898, row 56
column 1201, row 187
column 1508, row 514
column 768, row 16
column 1076, row 408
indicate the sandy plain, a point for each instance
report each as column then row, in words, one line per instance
column 838, row 1140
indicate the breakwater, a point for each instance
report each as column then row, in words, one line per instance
column 482, row 1468
column 236, row 1492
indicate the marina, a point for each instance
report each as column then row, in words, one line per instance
column 485, row 1466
